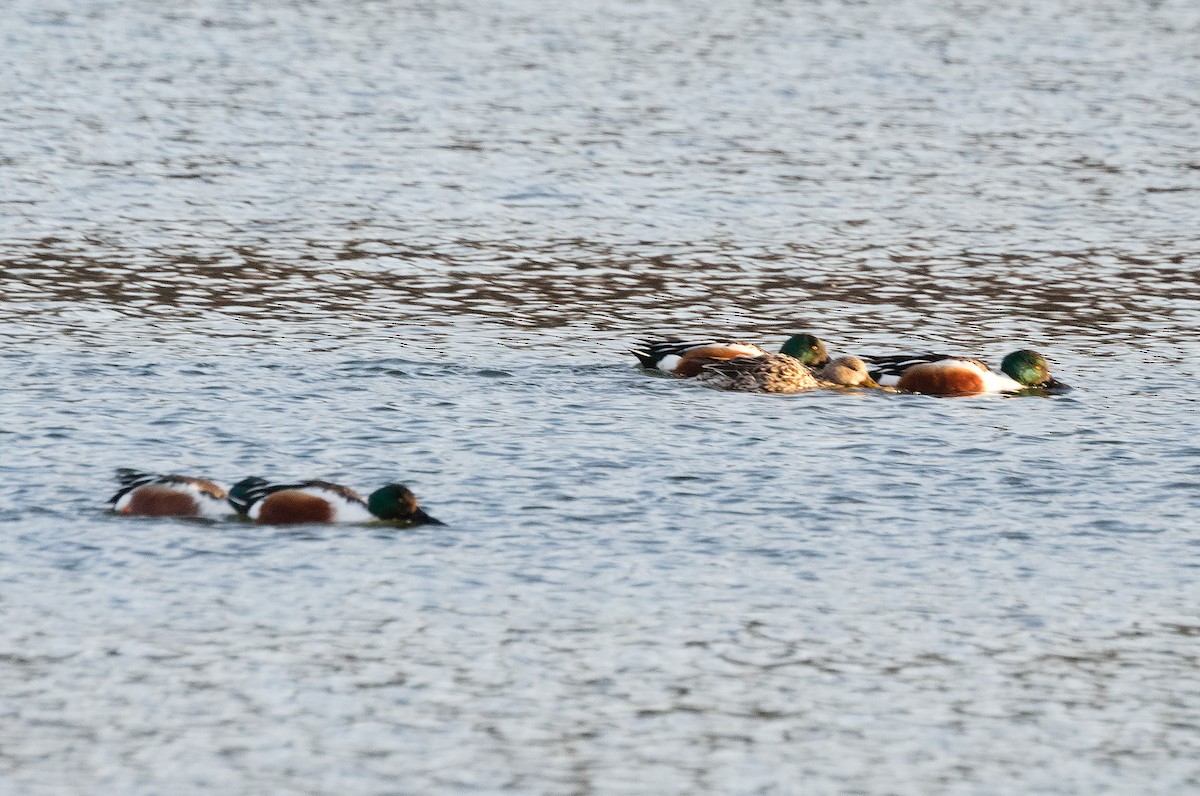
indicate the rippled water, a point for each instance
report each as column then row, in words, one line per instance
column 373, row 241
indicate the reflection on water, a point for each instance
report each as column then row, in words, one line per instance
column 375, row 241
column 1052, row 296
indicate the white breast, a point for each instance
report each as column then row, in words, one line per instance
column 999, row 382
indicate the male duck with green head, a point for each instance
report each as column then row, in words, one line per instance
column 939, row 374
column 689, row 358
column 323, row 502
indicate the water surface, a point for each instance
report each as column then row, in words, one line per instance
column 368, row 242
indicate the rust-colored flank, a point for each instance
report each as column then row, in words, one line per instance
column 154, row 500
column 292, row 506
column 941, row 378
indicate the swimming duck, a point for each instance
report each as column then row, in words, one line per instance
column 783, row 373
column 322, row 501
column 153, row 495
column 688, row 358
column 939, row 374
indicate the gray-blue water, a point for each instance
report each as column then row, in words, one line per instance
column 388, row 241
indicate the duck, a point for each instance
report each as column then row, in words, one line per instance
column 942, row 374
column 689, row 358
column 317, row 501
column 145, row 494
column 780, row 373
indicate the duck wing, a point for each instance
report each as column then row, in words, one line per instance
column 682, row 358
column 342, row 491
column 131, row 479
column 887, row 369
column 652, row 352
column 248, row 491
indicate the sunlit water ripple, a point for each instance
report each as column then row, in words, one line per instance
column 369, row 243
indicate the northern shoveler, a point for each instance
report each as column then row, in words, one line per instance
column 324, row 502
column 939, row 374
column 689, row 358
column 153, row 495
column 782, row 373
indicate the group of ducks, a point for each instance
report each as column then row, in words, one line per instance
column 259, row 500
column 804, row 364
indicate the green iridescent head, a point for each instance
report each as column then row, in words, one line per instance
column 397, row 502
column 806, row 348
column 1027, row 367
